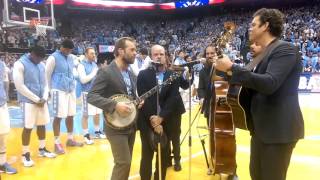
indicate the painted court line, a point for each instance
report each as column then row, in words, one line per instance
column 135, row 176
column 245, row 149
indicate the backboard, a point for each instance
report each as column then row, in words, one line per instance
column 21, row 12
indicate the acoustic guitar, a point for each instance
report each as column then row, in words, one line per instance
column 239, row 98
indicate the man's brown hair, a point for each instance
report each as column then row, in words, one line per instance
column 121, row 44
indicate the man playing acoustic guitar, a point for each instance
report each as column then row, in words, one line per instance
column 277, row 122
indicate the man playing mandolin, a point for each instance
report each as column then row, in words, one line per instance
column 115, row 79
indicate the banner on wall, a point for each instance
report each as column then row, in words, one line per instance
column 106, row 49
column 309, row 83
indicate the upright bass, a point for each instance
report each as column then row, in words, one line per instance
column 221, row 126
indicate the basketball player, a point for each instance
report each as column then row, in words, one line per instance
column 87, row 71
column 29, row 79
column 61, row 82
column 4, row 122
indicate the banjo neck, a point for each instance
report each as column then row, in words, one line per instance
column 149, row 93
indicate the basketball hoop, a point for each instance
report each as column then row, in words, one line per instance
column 40, row 25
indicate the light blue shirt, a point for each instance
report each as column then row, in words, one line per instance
column 3, row 95
column 62, row 76
column 127, row 81
column 160, row 77
column 34, row 78
column 179, row 61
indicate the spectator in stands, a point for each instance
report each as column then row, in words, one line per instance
column 308, row 68
column 307, row 58
column 180, row 59
column 317, row 66
column 141, row 62
column 314, row 48
column 188, row 58
column 11, row 40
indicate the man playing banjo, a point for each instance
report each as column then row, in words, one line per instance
column 117, row 79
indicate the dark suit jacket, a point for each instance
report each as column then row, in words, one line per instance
column 275, row 109
column 169, row 97
column 205, row 88
column 109, row 82
column 204, row 91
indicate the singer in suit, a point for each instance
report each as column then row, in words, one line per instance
column 170, row 107
column 116, row 78
column 275, row 111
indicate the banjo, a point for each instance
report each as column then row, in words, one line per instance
column 117, row 121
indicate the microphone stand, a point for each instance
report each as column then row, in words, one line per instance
column 190, row 78
column 190, row 69
column 194, row 119
column 159, row 135
column 159, row 142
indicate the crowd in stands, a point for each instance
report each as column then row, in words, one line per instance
column 26, row 38
column 302, row 28
column 191, row 35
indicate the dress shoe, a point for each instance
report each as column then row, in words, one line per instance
column 177, row 166
column 169, row 163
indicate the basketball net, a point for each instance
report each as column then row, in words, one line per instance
column 40, row 26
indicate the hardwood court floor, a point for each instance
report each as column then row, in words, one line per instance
column 94, row 162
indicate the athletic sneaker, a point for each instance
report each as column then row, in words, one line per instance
column 26, row 160
column 73, row 143
column 6, row 168
column 87, row 139
column 43, row 152
column 58, row 149
column 99, row 135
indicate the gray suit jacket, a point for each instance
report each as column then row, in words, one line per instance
column 109, row 82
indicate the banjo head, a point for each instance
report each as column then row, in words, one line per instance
column 118, row 121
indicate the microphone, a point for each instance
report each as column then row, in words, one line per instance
column 154, row 65
column 188, row 64
column 157, row 64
